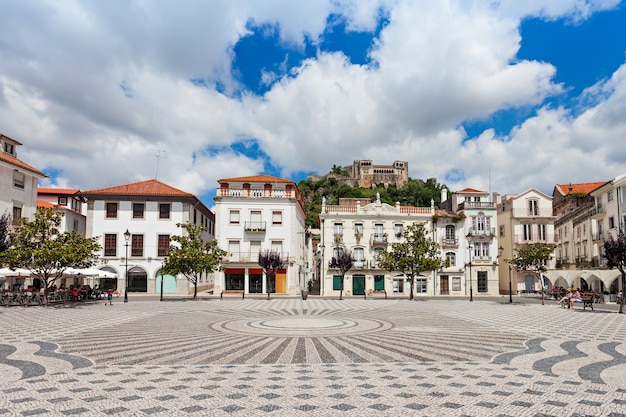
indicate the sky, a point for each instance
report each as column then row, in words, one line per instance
column 499, row 96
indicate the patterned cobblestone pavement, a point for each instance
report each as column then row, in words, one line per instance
column 289, row 357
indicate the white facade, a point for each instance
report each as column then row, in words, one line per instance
column 18, row 182
column 524, row 218
column 256, row 214
column 70, row 202
column 365, row 230
column 150, row 212
column 476, row 245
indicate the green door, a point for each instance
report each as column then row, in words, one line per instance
column 358, row 284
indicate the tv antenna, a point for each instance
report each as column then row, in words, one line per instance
column 157, row 154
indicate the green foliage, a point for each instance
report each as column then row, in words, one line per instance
column 413, row 193
column 5, row 242
column 41, row 248
column 192, row 256
column 417, row 253
column 339, row 171
column 615, row 253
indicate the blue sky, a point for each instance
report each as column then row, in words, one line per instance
column 500, row 96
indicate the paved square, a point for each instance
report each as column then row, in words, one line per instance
column 289, row 357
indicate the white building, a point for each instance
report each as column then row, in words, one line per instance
column 261, row 213
column 365, row 229
column 149, row 211
column 469, row 241
column 70, row 202
column 524, row 218
column 18, row 182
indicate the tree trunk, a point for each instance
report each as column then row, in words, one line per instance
column 195, row 289
column 411, row 283
column 341, row 289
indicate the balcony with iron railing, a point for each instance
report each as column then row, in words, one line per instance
column 487, row 231
column 378, row 239
column 477, row 205
column 254, row 193
column 251, row 257
column 258, row 227
column 447, row 242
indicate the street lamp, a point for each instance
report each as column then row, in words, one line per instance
column 500, row 250
column 162, row 265
column 127, row 238
column 469, row 249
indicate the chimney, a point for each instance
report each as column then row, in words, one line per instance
column 444, row 194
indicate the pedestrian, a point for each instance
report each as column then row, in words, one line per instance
column 109, row 297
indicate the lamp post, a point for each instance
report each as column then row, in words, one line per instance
column 469, row 248
column 161, row 283
column 127, row 238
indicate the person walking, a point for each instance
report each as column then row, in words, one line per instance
column 109, row 297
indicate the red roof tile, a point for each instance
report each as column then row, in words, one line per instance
column 16, row 162
column 57, row 191
column 469, row 190
column 255, row 178
column 584, row 188
column 152, row 188
column 45, row 204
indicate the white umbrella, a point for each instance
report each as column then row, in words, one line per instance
column 17, row 272
column 90, row 272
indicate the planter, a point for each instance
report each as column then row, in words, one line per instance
column 305, row 294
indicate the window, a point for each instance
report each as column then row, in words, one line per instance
column 277, row 217
column 163, row 245
column 9, row 148
column 528, row 232
column 480, row 222
column 18, row 179
column 164, row 210
column 609, row 196
column 136, row 245
column 542, row 232
column 75, row 225
column 420, row 285
column 483, row 285
column 501, row 231
column 76, row 204
column 359, row 256
column 277, row 246
column 484, row 250
column 456, row 283
column 255, row 249
column 611, row 222
column 477, row 199
column 234, row 216
column 110, row 244
column 337, row 228
column 17, row 215
column 398, row 229
column 533, row 207
column 233, row 250
column 111, row 211
column 451, row 258
column 358, row 228
column 63, row 201
column 450, row 232
column 138, row 210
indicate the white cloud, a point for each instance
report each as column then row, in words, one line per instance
column 93, row 89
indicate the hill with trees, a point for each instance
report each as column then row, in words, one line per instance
column 414, row 193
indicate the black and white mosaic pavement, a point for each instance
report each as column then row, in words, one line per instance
column 289, row 357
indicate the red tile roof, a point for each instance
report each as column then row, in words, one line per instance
column 45, row 204
column 151, row 188
column 16, row 162
column 584, row 188
column 255, row 178
column 57, row 191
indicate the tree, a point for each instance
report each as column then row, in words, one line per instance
column 191, row 256
column 5, row 241
column 417, row 253
column 41, row 248
column 533, row 257
column 271, row 262
column 341, row 262
column 615, row 253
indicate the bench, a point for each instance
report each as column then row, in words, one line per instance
column 232, row 292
